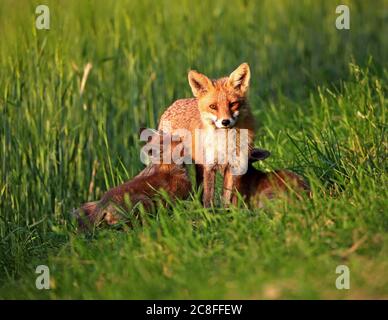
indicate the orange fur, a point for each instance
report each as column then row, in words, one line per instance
column 215, row 102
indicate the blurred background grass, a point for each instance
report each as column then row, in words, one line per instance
column 318, row 93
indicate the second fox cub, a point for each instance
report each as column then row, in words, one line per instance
column 218, row 105
column 258, row 186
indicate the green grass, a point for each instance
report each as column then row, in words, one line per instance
column 318, row 93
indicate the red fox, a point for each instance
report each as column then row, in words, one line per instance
column 257, row 186
column 143, row 188
column 218, row 105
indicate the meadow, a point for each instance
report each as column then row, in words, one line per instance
column 318, row 93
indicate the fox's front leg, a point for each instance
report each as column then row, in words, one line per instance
column 209, row 176
column 231, row 185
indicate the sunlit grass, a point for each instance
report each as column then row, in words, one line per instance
column 319, row 95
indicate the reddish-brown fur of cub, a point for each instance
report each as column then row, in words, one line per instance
column 142, row 189
column 257, row 186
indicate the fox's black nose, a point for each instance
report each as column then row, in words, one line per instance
column 225, row 122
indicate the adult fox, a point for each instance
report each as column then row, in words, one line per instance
column 219, row 105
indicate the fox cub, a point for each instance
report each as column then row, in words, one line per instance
column 142, row 189
column 257, row 186
column 218, row 105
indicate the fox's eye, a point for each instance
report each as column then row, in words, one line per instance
column 233, row 104
column 213, row 106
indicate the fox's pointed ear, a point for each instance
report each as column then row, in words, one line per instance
column 146, row 134
column 258, row 154
column 239, row 78
column 147, row 131
column 199, row 83
column 141, row 130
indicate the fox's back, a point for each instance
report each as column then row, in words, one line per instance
column 182, row 114
column 257, row 185
column 149, row 182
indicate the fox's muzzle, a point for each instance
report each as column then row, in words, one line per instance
column 228, row 122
